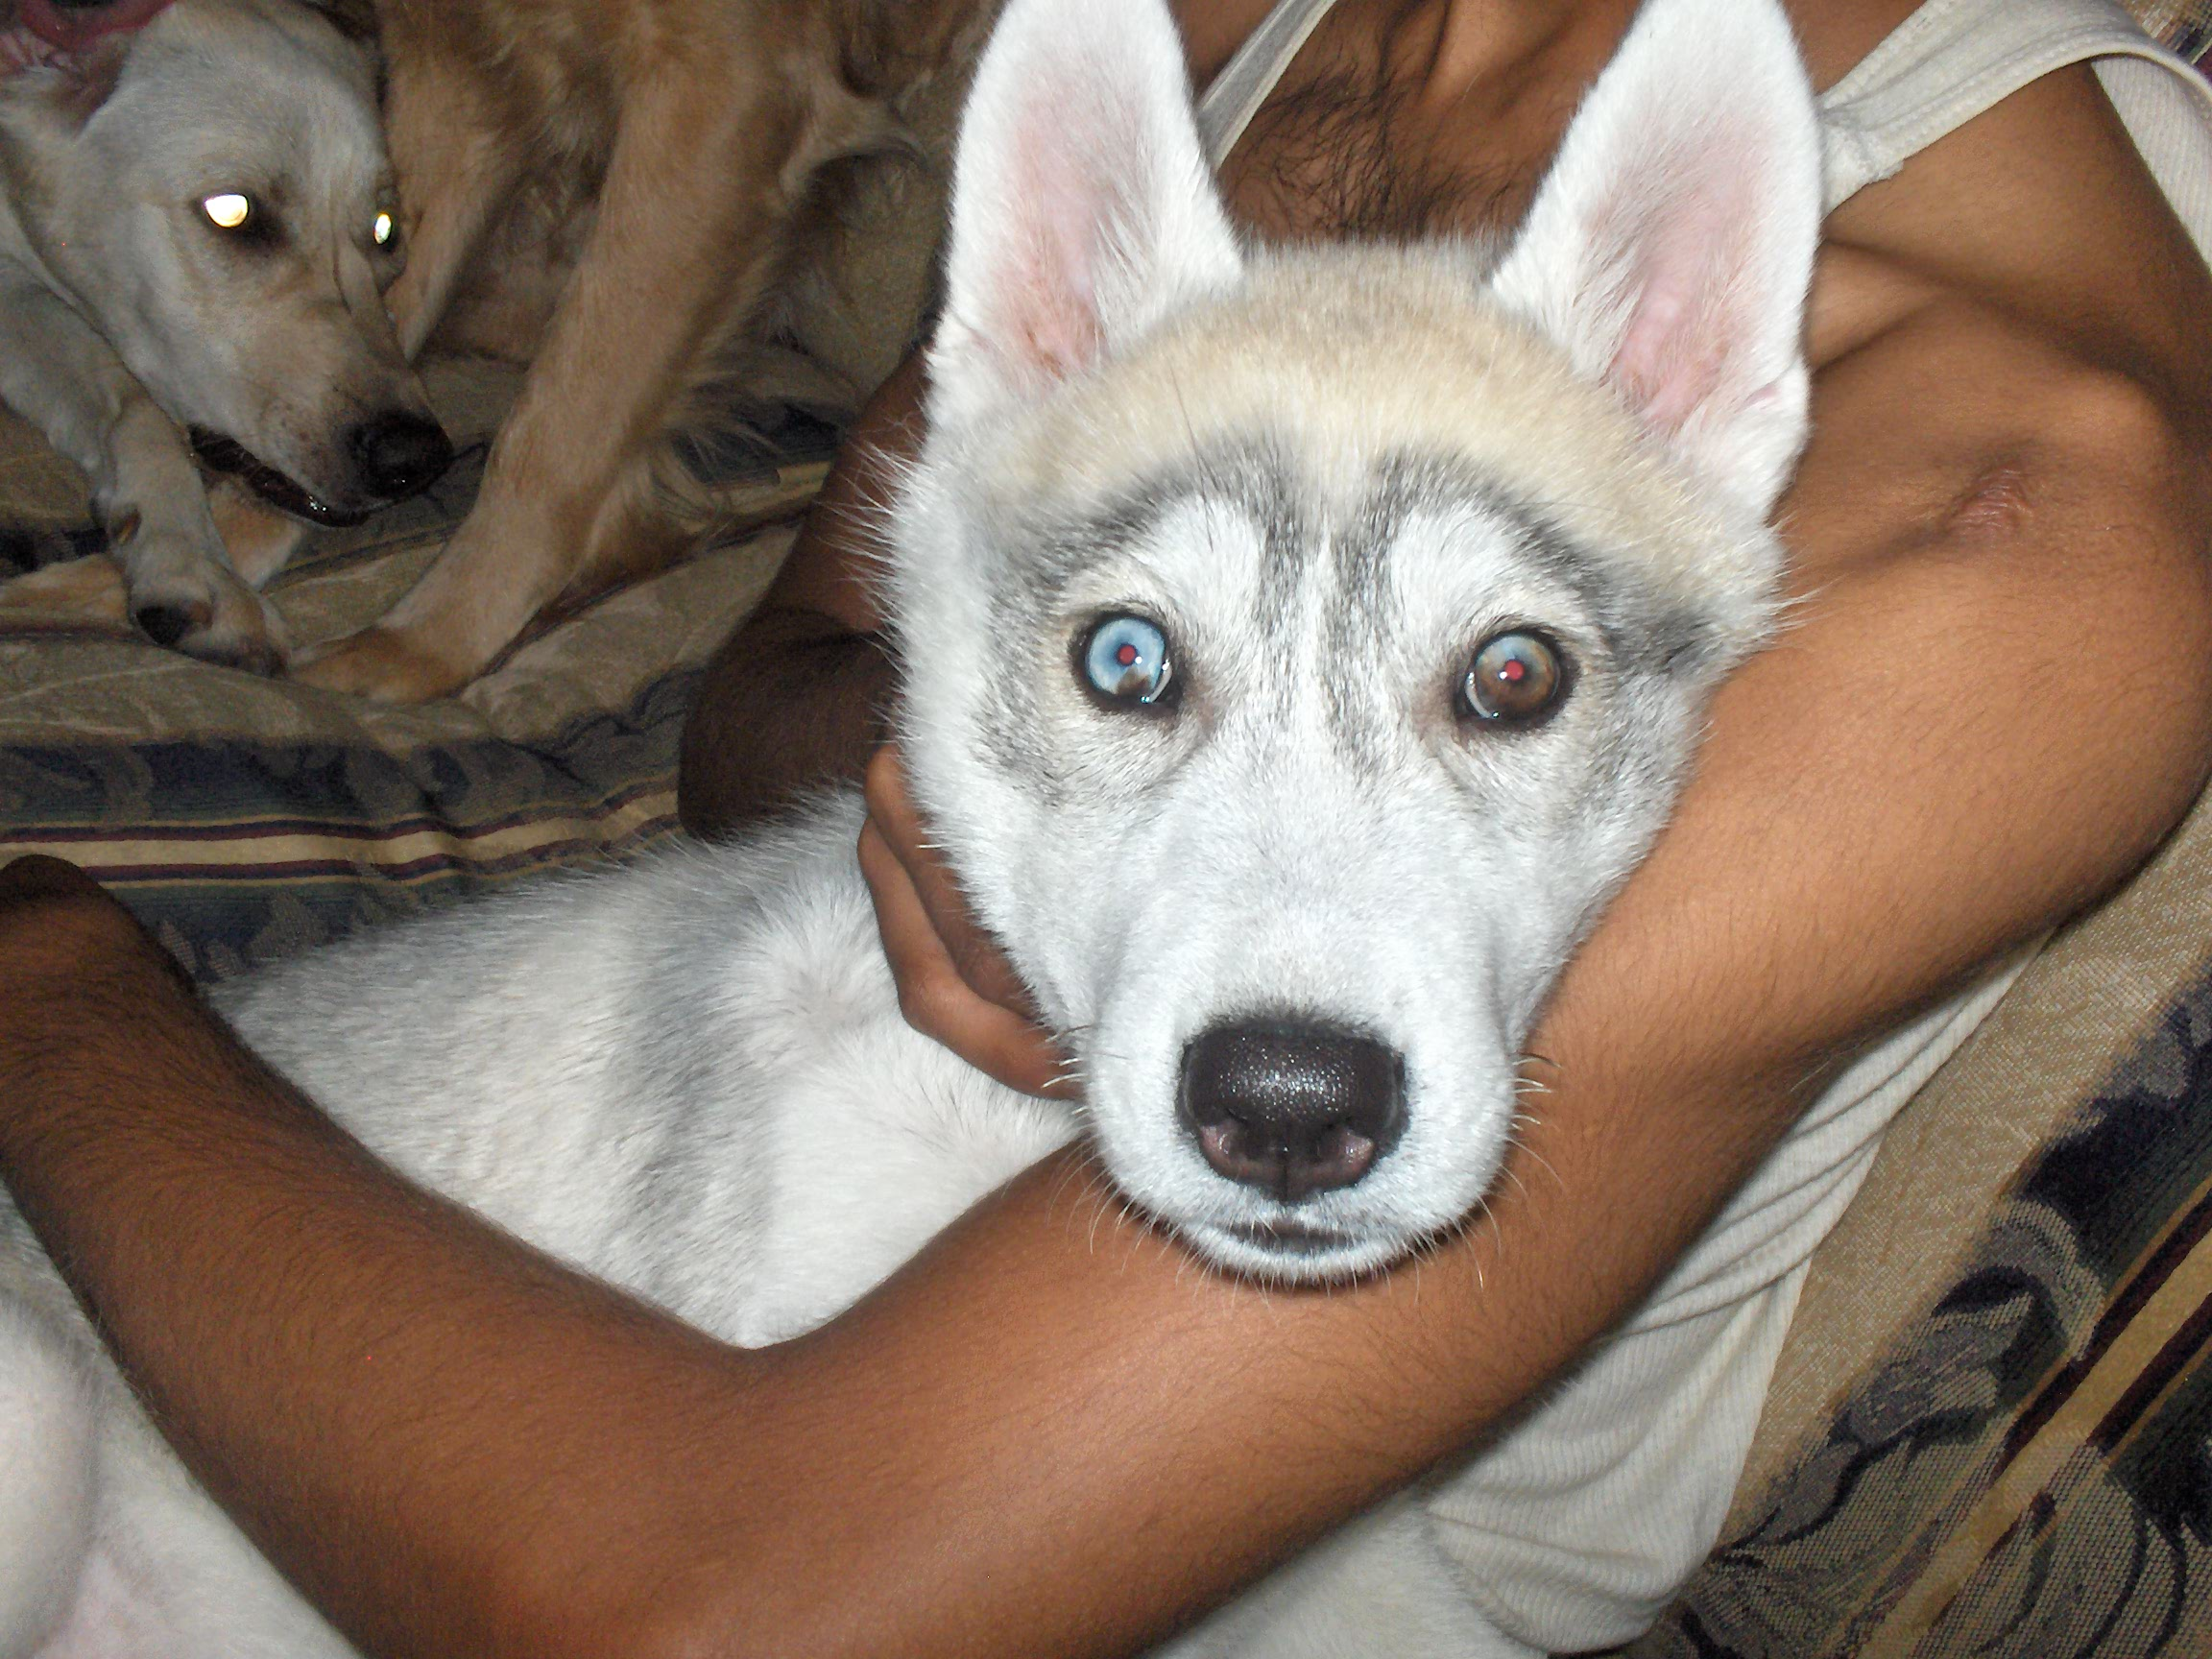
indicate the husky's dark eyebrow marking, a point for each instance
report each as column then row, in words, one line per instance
column 1423, row 481
column 1642, row 631
column 1251, row 476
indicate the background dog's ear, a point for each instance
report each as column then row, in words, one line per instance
column 1671, row 246
column 355, row 19
column 80, row 48
column 78, row 82
column 1083, row 210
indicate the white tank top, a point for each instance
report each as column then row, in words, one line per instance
column 1574, row 1530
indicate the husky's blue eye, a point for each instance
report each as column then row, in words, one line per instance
column 1126, row 657
column 1516, row 678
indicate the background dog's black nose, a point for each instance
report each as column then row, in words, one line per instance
column 402, row 454
column 1293, row 1109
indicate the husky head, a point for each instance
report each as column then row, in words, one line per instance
column 210, row 190
column 1300, row 647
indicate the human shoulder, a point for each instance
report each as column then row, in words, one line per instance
column 1835, row 34
column 1214, row 29
column 2010, row 365
column 2040, row 207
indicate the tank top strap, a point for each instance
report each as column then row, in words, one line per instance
column 1952, row 59
column 1235, row 96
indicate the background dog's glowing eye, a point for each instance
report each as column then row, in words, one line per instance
column 1516, row 677
column 229, row 210
column 1126, row 657
column 382, row 230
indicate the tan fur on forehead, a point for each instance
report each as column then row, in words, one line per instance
column 1351, row 355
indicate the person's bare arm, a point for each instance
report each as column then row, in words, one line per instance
column 1050, row 1432
column 797, row 697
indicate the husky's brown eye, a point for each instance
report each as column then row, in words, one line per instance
column 1516, row 679
column 382, row 230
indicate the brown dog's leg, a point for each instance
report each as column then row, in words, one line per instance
column 77, row 593
column 259, row 540
column 705, row 167
column 458, row 168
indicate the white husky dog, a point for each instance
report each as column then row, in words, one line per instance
column 197, row 225
column 1300, row 647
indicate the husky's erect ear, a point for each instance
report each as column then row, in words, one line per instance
column 1083, row 210
column 1671, row 246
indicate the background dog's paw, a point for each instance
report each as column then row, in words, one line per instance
column 213, row 616
column 260, row 539
column 380, row 664
column 86, row 592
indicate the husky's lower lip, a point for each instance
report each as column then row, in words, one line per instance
column 1290, row 1237
column 229, row 455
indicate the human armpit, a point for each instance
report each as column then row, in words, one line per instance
column 797, row 695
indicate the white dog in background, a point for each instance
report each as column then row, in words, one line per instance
column 1300, row 648
column 197, row 226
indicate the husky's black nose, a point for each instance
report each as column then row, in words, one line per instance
column 401, row 454
column 1293, row 1109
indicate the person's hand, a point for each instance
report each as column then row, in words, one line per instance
column 953, row 983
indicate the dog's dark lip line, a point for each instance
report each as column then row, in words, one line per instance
column 228, row 455
column 1289, row 1238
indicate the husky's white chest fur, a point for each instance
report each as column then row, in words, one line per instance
column 1299, row 650
column 678, row 1154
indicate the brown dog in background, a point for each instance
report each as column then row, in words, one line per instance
column 607, row 189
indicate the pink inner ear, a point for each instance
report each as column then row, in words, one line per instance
column 1683, row 342
column 1045, row 301
column 1669, row 368
column 1046, row 297
column 75, row 31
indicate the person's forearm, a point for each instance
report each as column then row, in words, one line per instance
column 798, row 696
column 458, row 1448
column 221, row 1232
